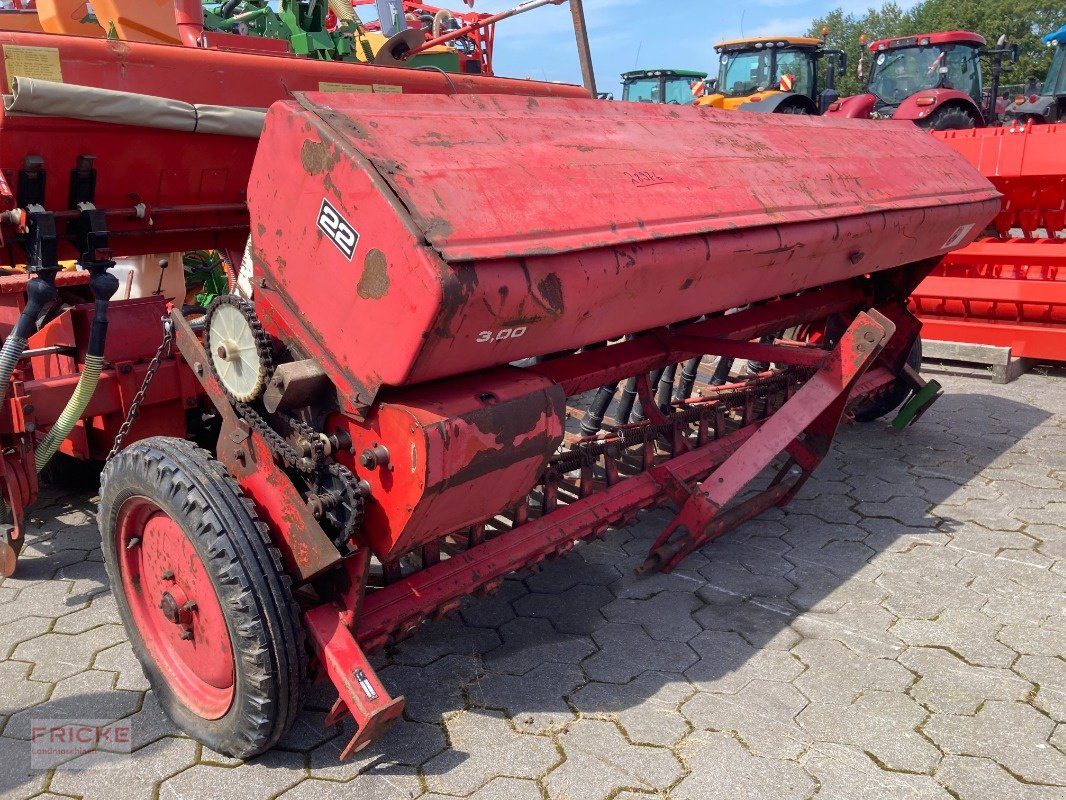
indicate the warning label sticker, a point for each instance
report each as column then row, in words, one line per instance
column 331, row 86
column 31, row 62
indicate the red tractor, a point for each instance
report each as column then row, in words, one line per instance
column 933, row 79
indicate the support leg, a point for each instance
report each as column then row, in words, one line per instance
column 803, row 428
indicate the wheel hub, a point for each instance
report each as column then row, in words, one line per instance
column 176, row 608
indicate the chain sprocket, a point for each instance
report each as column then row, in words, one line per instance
column 336, row 500
column 242, row 359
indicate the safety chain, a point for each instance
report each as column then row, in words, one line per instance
column 164, row 351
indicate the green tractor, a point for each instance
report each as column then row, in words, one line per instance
column 675, row 86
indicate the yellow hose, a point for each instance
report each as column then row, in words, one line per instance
column 79, row 401
column 342, row 9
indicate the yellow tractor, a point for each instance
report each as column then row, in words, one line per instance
column 775, row 74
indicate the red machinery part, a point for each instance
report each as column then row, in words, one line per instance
column 1009, row 290
column 487, row 266
column 409, row 254
column 167, row 191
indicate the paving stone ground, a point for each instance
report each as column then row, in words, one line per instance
column 899, row 632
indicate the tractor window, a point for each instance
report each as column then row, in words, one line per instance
column 679, row 91
column 742, row 74
column 645, row 90
column 1056, row 76
column 964, row 73
column 899, row 73
column 799, row 65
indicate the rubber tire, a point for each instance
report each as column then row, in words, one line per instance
column 893, row 397
column 792, row 108
column 262, row 618
column 951, row 118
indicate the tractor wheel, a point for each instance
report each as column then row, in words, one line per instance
column 202, row 594
column 948, row 119
column 793, row 109
column 892, row 396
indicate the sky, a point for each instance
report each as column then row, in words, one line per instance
column 640, row 34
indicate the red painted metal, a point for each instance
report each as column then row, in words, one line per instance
column 192, row 187
column 480, row 289
column 941, row 37
column 804, row 427
column 1008, row 291
column 481, row 231
column 177, row 610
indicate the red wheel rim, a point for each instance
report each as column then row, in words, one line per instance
column 175, row 607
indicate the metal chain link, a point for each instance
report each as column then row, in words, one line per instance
column 164, row 351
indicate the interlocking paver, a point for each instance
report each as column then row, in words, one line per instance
column 625, row 651
column 646, row 707
column 1048, row 673
column 1013, row 735
column 721, row 769
column 761, row 715
column 982, row 778
column 600, row 762
column 528, row 642
column 883, row 724
column 728, row 662
column 536, row 701
column 947, row 684
column 836, row 674
column 483, row 747
column 154, row 763
column 576, row 610
column 828, row 649
column 266, row 776
column 666, row 616
column 970, row 634
column 847, row 773
column 56, row 656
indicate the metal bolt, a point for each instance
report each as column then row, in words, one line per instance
column 190, row 606
column 186, row 632
column 198, row 368
column 241, row 456
column 168, row 575
column 133, row 543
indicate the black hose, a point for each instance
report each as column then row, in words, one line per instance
column 688, row 378
column 666, row 388
column 625, row 404
column 638, row 408
column 228, row 8
column 721, row 372
column 593, row 420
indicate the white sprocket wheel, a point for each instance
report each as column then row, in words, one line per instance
column 239, row 348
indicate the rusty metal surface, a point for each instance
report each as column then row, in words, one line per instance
column 566, row 268
column 593, row 174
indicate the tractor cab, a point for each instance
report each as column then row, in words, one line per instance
column 663, row 86
column 1049, row 104
column 933, row 79
column 774, row 74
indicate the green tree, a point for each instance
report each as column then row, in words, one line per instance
column 1024, row 22
column 844, row 31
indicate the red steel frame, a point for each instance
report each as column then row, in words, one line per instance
column 702, row 467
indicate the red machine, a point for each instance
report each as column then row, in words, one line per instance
column 436, row 280
column 1008, row 289
column 933, row 79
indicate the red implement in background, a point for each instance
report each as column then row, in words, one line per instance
column 1008, row 290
